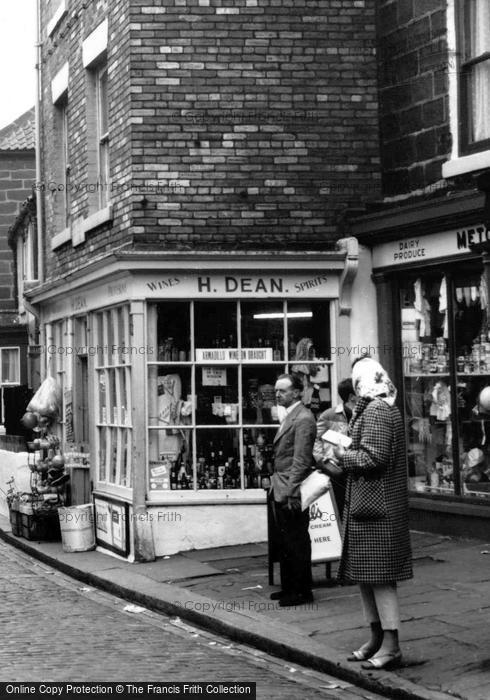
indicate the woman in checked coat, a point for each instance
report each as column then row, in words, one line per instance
column 376, row 541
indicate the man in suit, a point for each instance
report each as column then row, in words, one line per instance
column 293, row 459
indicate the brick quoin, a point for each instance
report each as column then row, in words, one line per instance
column 414, row 116
column 245, row 125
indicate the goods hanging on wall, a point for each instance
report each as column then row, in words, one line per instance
column 34, row 514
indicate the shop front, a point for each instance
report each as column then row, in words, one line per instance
column 433, row 287
column 168, row 376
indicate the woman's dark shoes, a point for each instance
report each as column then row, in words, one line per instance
column 293, row 599
column 277, row 595
column 386, row 661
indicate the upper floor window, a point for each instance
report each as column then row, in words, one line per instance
column 9, row 366
column 94, row 56
column 65, row 162
column 474, row 49
column 102, row 133
column 29, row 253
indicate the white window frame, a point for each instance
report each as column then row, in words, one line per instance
column 102, row 133
column 277, row 366
column 2, row 350
column 114, row 430
column 458, row 164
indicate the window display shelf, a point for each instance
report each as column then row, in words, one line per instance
column 411, row 375
column 473, row 374
column 157, row 363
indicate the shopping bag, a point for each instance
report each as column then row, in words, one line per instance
column 315, row 485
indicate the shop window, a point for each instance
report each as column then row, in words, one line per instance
column 427, row 387
column 472, row 348
column 474, row 89
column 211, row 402
column 446, row 367
column 58, row 344
column 113, row 396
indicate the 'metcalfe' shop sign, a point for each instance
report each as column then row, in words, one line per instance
column 420, row 249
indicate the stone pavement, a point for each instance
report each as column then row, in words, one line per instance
column 445, row 609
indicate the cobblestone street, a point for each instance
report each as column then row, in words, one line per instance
column 56, row 629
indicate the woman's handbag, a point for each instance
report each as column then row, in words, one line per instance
column 367, row 499
column 315, row 485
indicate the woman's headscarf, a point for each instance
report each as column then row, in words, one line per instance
column 370, row 380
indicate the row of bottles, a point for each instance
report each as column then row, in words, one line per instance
column 219, row 468
column 170, row 352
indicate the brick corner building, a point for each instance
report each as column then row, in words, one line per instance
column 198, row 158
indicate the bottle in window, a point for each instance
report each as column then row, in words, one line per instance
column 173, row 476
column 276, row 353
column 292, row 348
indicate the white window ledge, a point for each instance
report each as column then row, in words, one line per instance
column 466, row 164
column 57, row 17
column 59, row 84
column 98, row 218
column 95, row 44
column 76, row 232
column 60, row 238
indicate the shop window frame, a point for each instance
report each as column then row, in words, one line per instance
column 282, row 366
column 449, row 269
column 114, row 427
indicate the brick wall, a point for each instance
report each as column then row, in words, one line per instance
column 17, row 176
column 249, row 124
column 413, row 93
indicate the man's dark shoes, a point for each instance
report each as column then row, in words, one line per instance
column 293, row 599
column 277, row 595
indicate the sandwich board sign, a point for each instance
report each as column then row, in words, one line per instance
column 324, row 529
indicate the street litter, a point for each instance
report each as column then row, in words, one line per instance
column 251, row 588
column 134, row 609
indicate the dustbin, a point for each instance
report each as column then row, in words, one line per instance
column 77, row 528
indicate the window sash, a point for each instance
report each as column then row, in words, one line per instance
column 102, row 131
column 474, row 79
column 113, row 397
column 10, row 366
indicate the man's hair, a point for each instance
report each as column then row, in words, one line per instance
column 345, row 389
column 295, row 379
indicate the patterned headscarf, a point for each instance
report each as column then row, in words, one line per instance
column 370, row 380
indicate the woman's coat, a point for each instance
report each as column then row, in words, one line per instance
column 376, row 539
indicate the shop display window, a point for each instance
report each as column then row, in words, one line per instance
column 216, row 387
column 424, row 335
column 446, row 385
column 113, row 396
column 472, row 350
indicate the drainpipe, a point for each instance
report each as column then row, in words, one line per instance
column 39, row 199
